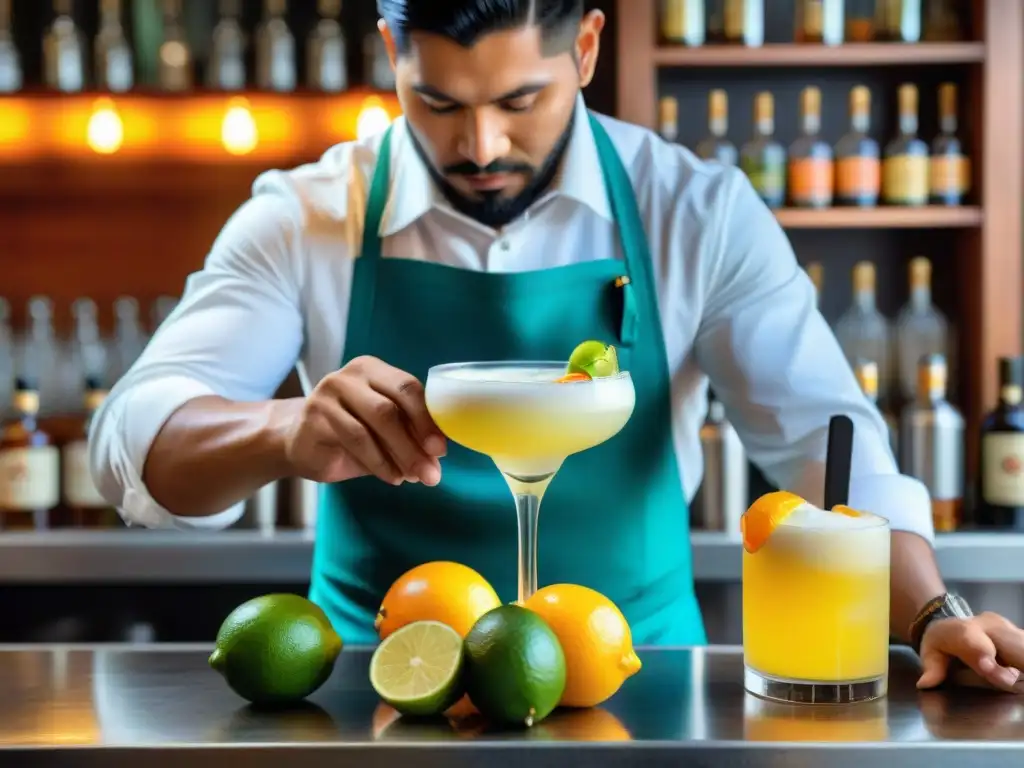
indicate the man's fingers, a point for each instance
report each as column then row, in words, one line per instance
column 407, row 391
column 968, row 641
column 1008, row 639
column 355, row 438
column 935, row 666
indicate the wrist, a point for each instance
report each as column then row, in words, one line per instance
column 282, row 416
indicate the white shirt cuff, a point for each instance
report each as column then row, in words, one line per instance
column 902, row 500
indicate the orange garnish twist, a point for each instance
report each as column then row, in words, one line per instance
column 570, row 377
column 765, row 515
column 842, row 509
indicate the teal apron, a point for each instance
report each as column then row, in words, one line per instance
column 614, row 518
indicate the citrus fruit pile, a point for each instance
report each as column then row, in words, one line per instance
column 450, row 647
column 591, row 360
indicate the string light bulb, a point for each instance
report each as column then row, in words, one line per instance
column 238, row 132
column 105, row 130
column 373, row 118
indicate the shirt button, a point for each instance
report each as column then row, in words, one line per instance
column 505, row 245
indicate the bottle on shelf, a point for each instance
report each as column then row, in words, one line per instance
column 816, row 272
column 905, row 168
column 175, row 70
column 84, row 506
column 898, row 21
column 810, row 158
column 275, row 49
column 376, row 64
column 40, row 355
column 129, row 338
column 858, row 170
column 921, row 329
column 7, row 357
column 11, row 74
column 723, row 494
column 89, row 358
column 866, row 372
column 115, row 70
column 942, row 22
column 949, row 172
column 819, row 21
column 715, row 27
column 668, row 118
column 29, row 465
column 682, row 22
column 226, row 68
column 743, row 22
column 326, row 64
column 860, row 21
column 762, row 158
column 64, row 51
column 716, row 146
column 160, row 310
column 932, row 444
column 1001, row 463
column 862, row 331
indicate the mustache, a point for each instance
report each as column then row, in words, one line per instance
column 498, row 166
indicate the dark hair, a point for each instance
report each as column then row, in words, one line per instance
column 465, row 21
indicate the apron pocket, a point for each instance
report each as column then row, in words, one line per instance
column 626, row 310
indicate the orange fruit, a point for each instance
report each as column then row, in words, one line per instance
column 595, row 638
column 450, row 593
column 842, row 509
column 765, row 515
column 570, row 377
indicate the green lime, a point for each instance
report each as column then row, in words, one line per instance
column 276, row 649
column 515, row 666
column 594, row 358
column 418, row 668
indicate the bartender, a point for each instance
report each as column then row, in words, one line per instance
column 497, row 220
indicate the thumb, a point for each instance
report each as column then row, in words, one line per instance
column 936, row 665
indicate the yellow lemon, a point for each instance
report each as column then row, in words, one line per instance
column 595, row 638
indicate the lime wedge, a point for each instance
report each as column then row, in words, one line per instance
column 418, row 669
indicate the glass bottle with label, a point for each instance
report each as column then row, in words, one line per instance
column 326, row 64
column 1001, row 464
column 860, row 21
column 226, row 68
column 86, row 507
column 866, row 372
column 816, row 272
column 29, row 465
column 863, row 332
column 921, row 329
column 810, row 158
column 716, row 146
column 11, row 74
column 668, row 118
column 64, row 50
column 275, row 49
column 906, row 164
column 762, row 158
column 743, row 22
column 376, row 63
column 114, row 65
column 858, row 170
column 682, row 22
column 932, row 444
column 175, row 63
column 942, row 22
column 898, row 21
column 950, row 172
column 819, row 21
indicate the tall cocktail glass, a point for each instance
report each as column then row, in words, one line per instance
column 816, row 608
column 528, row 423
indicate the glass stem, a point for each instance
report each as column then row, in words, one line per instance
column 528, row 514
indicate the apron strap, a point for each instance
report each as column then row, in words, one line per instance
column 378, row 200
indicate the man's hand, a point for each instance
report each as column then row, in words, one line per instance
column 989, row 645
column 366, row 419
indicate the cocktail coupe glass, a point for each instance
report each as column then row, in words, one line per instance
column 528, row 423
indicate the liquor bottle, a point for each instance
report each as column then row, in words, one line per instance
column 819, row 21
column 275, row 49
column 90, row 353
column 905, row 168
column 716, row 146
column 39, row 356
column 1001, row 464
column 11, row 74
column 376, row 63
column 866, row 372
column 129, row 337
column 682, row 22
column 668, row 118
column 723, row 494
column 860, row 21
column 29, row 465
column 715, row 13
column 114, row 65
column 762, row 158
column 949, row 172
column 743, row 22
column 160, row 311
column 326, row 65
column 816, row 272
column 226, row 69
column 7, row 355
column 810, row 158
column 85, row 506
column 862, row 331
column 942, row 22
column 64, row 51
column 858, row 171
column 921, row 329
column 175, row 62
column 932, row 444
column 898, row 21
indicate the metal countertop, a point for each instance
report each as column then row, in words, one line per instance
column 241, row 557
column 160, row 706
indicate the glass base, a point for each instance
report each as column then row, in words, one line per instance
column 802, row 692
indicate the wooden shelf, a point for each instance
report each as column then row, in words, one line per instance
column 931, row 217
column 848, row 55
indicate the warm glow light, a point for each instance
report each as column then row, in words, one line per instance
column 238, row 131
column 373, row 118
column 14, row 122
column 105, row 132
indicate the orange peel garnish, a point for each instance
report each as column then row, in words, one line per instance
column 765, row 515
column 842, row 509
column 570, row 377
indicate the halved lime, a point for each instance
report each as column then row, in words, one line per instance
column 418, row 668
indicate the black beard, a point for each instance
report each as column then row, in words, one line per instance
column 491, row 208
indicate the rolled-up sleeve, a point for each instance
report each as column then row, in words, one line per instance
column 780, row 372
column 236, row 333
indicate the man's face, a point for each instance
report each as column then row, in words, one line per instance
column 491, row 121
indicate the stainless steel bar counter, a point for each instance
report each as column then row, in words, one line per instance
column 161, row 706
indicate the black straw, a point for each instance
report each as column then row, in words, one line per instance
column 838, row 461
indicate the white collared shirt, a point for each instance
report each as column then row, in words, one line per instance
column 735, row 308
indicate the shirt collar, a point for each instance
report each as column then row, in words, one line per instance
column 413, row 193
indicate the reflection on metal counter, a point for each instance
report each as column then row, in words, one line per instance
column 261, row 509
column 722, row 497
column 305, row 500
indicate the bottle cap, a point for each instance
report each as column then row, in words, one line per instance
column 718, row 104
column 920, row 272
column 908, row 98
column 947, row 99
column 864, row 276
column 860, row 100
column 668, row 110
column 931, row 376
column 764, row 106
column 810, row 100
column 867, row 376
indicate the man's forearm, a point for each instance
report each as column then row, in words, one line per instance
column 914, row 580
column 213, row 453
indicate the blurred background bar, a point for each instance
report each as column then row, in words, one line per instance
column 886, row 135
